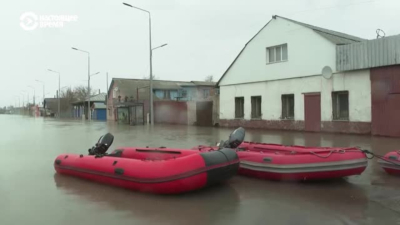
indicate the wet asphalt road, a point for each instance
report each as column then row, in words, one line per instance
column 32, row 194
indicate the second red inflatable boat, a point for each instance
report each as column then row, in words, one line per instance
column 391, row 162
column 157, row 170
column 279, row 162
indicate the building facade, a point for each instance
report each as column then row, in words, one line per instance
column 275, row 82
column 97, row 108
column 174, row 101
column 381, row 57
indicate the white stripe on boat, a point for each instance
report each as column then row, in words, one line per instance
column 305, row 167
column 389, row 165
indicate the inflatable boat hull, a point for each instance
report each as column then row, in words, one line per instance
column 279, row 162
column 164, row 171
column 391, row 164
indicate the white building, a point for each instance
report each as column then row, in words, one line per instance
column 275, row 82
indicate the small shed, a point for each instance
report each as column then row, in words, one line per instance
column 98, row 107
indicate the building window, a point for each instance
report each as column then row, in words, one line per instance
column 288, row 106
column 256, row 107
column 206, row 93
column 340, row 105
column 183, row 93
column 239, row 107
column 167, row 94
column 277, row 53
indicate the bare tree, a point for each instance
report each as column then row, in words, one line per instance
column 209, row 78
column 80, row 92
column 68, row 96
column 147, row 77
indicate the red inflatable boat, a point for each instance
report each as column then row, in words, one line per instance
column 391, row 162
column 157, row 170
column 279, row 162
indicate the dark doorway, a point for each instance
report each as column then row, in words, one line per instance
column 204, row 113
column 312, row 112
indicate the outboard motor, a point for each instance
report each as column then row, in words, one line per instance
column 235, row 139
column 102, row 145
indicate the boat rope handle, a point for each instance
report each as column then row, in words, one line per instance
column 341, row 151
column 378, row 156
column 322, row 156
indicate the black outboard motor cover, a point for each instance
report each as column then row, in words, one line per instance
column 235, row 139
column 102, row 145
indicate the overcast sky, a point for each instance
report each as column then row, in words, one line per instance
column 203, row 36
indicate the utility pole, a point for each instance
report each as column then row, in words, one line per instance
column 89, row 110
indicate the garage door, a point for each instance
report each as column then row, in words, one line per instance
column 101, row 114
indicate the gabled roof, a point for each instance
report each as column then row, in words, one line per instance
column 98, row 98
column 335, row 37
column 204, row 83
column 340, row 37
column 94, row 98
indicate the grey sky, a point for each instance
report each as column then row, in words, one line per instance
column 203, row 36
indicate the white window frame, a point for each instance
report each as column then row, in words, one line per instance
column 268, row 49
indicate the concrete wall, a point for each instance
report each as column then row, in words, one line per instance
column 357, row 83
column 110, row 107
column 195, row 93
column 170, row 112
column 308, row 53
column 215, row 110
column 191, row 110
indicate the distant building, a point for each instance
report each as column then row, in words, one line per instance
column 50, row 107
column 128, row 99
column 276, row 81
column 97, row 104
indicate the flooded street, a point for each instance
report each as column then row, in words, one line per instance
column 31, row 193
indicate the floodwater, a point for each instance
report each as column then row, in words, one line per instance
column 32, row 194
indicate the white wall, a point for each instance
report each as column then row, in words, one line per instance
column 308, row 53
column 357, row 83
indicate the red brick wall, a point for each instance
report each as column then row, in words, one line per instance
column 385, row 97
column 265, row 124
column 346, row 127
column 297, row 125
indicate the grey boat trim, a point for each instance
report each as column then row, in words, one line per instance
column 306, row 167
column 389, row 165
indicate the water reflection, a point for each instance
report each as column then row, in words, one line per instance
column 29, row 195
column 202, row 207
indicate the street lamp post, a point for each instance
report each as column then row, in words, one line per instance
column 43, row 87
column 23, row 101
column 89, row 111
column 59, row 78
column 107, row 89
column 19, row 100
column 94, row 74
column 19, row 103
column 151, row 61
column 34, row 93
